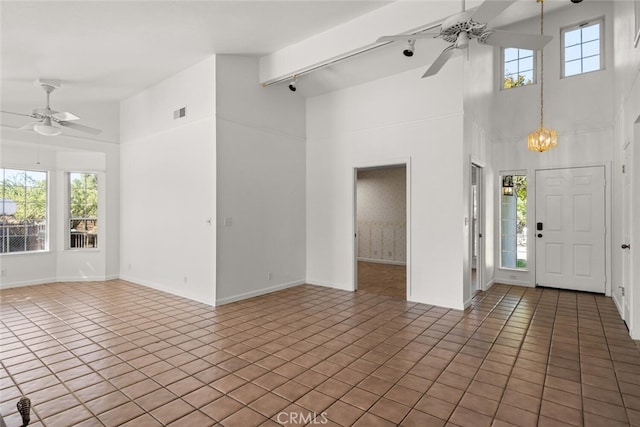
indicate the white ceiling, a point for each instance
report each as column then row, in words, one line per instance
column 105, row 51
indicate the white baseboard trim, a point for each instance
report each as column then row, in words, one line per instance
column 467, row 303
column 382, row 261
column 489, row 285
column 618, row 305
column 163, row 288
column 514, row 283
column 82, row 279
column 21, row 284
column 259, row 292
column 327, row 285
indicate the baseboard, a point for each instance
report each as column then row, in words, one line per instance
column 382, row 261
column 259, row 292
column 22, row 284
column 618, row 305
column 167, row 289
column 488, row 286
column 327, row 285
column 467, row 303
column 515, row 283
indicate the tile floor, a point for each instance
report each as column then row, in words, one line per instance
column 383, row 279
column 114, row 353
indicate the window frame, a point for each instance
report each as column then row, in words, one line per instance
column 564, row 30
column 69, row 217
column 534, row 80
column 501, row 175
column 47, row 208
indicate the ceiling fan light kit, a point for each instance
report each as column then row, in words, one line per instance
column 542, row 139
column 50, row 122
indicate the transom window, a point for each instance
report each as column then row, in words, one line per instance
column 518, row 67
column 23, row 210
column 582, row 48
column 83, row 210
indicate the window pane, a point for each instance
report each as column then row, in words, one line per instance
column 591, row 48
column 23, row 224
column 572, row 53
column 83, row 210
column 572, row 37
column 591, row 64
column 513, row 222
column 591, row 32
column 528, row 77
column 572, row 68
column 510, row 54
column 526, row 64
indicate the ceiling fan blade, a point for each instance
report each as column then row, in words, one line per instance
column 28, row 126
column 518, row 40
column 81, row 128
column 18, row 114
column 405, row 37
column 490, row 9
column 65, row 117
column 440, row 61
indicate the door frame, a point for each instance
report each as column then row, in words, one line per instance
column 480, row 285
column 531, row 193
column 624, row 304
column 375, row 163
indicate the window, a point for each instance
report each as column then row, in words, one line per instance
column 83, row 210
column 582, row 52
column 513, row 221
column 518, row 67
column 23, row 211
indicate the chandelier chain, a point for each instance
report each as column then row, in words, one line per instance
column 541, row 64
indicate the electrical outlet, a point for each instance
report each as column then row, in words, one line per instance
column 3, row 273
column 269, row 276
column 185, row 280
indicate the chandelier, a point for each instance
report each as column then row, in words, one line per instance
column 542, row 139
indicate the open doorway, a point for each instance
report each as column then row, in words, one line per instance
column 381, row 230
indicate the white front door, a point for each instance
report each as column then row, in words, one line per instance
column 623, row 293
column 570, row 228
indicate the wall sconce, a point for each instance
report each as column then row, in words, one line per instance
column 507, row 185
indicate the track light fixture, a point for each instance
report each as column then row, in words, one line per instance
column 409, row 48
column 292, row 85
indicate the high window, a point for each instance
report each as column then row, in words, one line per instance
column 513, row 220
column 23, row 211
column 582, row 48
column 518, row 67
column 83, row 210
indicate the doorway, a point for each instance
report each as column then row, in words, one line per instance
column 570, row 228
column 381, row 230
column 476, row 247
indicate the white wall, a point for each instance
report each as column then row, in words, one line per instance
column 580, row 108
column 59, row 155
column 627, row 131
column 382, row 215
column 168, row 185
column 393, row 120
column 261, row 183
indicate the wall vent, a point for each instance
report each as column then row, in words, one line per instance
column 178, row 114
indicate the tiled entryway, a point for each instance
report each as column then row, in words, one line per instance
column 114, row 353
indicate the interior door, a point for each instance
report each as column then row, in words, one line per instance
column 476, row 245
column 570, row 228
column 626, row 234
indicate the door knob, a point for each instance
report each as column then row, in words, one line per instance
column 539, row 234
column 626, row 246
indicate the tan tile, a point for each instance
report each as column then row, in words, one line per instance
column 343, row 413
column 155, row 399
column 360, row 398
column 390, row 410
column 269, row 404
column 465, row 417
column 121, row 414
column 562, row 413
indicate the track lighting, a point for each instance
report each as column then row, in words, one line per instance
column 292, row 85
column 409, row 48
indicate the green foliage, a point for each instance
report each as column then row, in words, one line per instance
column 510, row 82
column 84, row 195
column 521, row 263
column 29, row 194
column 520, row 188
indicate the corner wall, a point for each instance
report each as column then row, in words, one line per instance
column 391, row 120
column 260, row 183
column 168, row 191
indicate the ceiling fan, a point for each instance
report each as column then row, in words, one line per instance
column 461, row 27
column 52, row 122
